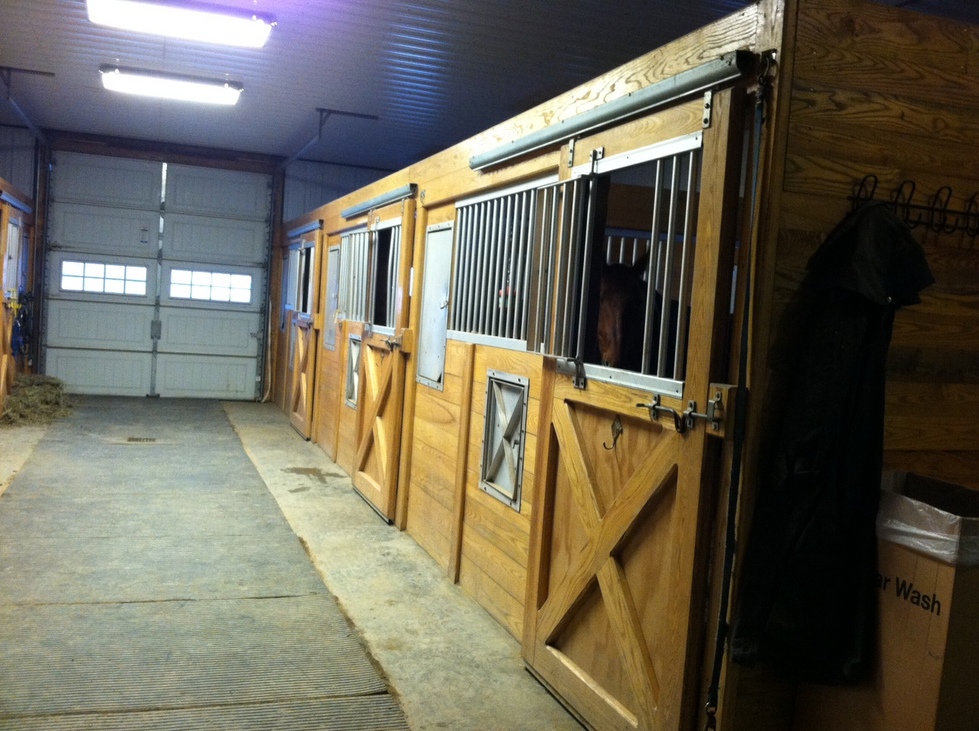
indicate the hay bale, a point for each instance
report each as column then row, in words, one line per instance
column 35, row 399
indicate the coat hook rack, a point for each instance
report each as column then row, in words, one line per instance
column 935, row 215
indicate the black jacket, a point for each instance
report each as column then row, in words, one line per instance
column 806, row 595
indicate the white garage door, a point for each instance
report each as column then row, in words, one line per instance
column 156, row 277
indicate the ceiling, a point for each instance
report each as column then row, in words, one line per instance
column 433, row 72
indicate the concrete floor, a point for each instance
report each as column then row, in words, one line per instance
column 450, row 664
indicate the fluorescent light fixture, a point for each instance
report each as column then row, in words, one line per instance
column 190, row 21
column 169, row 86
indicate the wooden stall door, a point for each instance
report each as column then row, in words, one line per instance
column 303, row 370
column 383, row 366
column 615, row 587
column 382, row 382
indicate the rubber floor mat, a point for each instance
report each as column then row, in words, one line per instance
column 158, row 586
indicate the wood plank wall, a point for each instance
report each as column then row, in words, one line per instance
column 882, row 90
column 895, row 93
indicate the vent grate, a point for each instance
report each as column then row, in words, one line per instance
column 140, row 440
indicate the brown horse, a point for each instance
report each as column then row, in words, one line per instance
column 621, row 316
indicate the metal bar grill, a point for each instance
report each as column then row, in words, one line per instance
column 564, row 266
column 353, row 275
column 492, row 267
column 686, row 265
column 557, row 243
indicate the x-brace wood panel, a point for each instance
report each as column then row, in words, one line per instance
column 300, row 413
column 379, row 424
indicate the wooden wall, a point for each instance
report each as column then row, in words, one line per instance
column 860, row 88
column 871, row 89
column 12, row 363
column 894, row 93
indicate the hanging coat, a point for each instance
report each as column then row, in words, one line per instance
column 806, row 599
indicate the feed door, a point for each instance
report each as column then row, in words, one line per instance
column 616, row 585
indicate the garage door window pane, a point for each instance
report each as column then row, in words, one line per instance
column 210, row 286
column 77, row 276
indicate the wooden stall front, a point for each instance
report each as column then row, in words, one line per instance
column 17, row 277
column 560, row 485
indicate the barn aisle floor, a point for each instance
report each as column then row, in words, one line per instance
column 151, row 577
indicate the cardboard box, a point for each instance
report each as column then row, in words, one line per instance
column 926, row 677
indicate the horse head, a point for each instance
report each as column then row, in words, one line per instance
column 621, row 315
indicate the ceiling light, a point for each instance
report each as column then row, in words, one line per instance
column 190, row 21
column 169, row 86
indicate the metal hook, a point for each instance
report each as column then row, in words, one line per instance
column 902, row 203
column 938, row 211
column 616, row 433
column 972, row 216
column 864, row 190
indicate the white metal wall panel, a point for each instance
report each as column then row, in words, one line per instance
column 206, row 376
column 89, row 228
column 214, row 240
column 212, row 192
column 106, row 181
column 17, row 159
column 119, row 373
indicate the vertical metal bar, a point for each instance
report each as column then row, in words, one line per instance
column 499, row 271
column 456, row 273
column 364, row 274
column 486, row 257
column 497, row 282
column 510, row 270
column 539, row 334
column 493, row 280
column 341, row 281
column 557, row 202
column 517, row 297
column 573, row 272
column 651, row 267
column 475, row 242
column 464, row 267
column 566, row 265
column 394, row 257
column 686, row 268
column 506, row 271
column 666, row 315
column 586, row 265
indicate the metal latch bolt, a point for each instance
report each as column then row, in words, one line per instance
column 715, row 412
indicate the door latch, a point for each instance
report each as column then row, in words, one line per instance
column 715, row 414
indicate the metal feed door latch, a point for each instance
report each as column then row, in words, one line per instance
column 716, row 414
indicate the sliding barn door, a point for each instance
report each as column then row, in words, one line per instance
column 616, row 586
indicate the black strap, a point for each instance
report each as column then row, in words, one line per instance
column 740, row 420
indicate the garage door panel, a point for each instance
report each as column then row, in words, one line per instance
column 212, row 192
column 186, row 330
column 153, row 294
column 205, row 376
column 106, row 181
column 103, row 372
column 120, row 231
column 75, row 324
column 214, row 240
